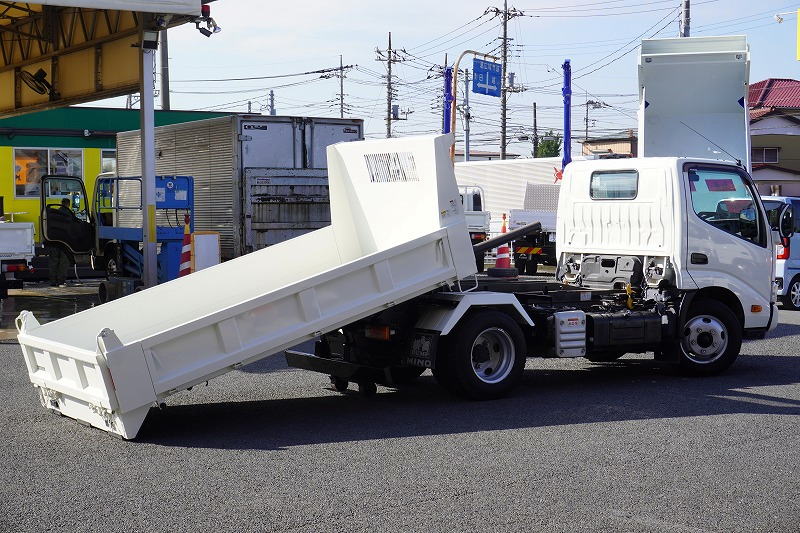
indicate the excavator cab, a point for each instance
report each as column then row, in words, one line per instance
column 65, row 218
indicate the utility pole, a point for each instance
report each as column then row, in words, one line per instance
column 249, row 106
column 507, row 15
column 594, row 104
column 271, row 102
column 164, row 71
column 535, row 134
column 391, row 57
column 685, row 20
column 503, row 92
column 341, row 87
column 467, row 116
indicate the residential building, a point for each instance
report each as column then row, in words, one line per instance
column 621, row 144
column 775, row 135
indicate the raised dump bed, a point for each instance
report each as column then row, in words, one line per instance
column 397, row 231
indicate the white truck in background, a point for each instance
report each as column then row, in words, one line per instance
column 17, row 249
column 472, row 199
column 525, row 190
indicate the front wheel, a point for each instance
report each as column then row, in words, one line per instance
column 710, row 339
column 792, row 299
column 532, row 266
column 484, row 356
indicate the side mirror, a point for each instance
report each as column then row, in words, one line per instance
column 786, row 222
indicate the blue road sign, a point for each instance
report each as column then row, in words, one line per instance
column 486, row 77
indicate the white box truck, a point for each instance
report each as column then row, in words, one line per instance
column 258, row 180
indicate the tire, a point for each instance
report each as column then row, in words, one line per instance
column 531, row 267
column 710, row 339
column 521, row 265
column 484, row 356
column 791, row 300
column 403, row 375
column 340, row 384
column 111, row 261
column 604, row 357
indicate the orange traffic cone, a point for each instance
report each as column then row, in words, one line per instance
column 502, row 266
column 186, row 252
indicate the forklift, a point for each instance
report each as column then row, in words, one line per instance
column 108, row 226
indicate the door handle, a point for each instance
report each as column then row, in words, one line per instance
column 698, row 259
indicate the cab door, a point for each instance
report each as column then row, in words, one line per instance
column 64, row 218
column 729, row 241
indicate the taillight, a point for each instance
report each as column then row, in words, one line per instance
column 783, row 249
column 15, row 267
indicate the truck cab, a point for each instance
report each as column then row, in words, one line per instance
column 671, row 227
column 787, row 252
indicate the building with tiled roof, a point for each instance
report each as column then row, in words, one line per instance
column 774, row 107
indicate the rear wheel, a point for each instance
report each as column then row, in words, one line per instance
column 792, row 298
column 521, row 265
column 710, row 339
column 480, row 262
column 484, row 356
column 532, row 266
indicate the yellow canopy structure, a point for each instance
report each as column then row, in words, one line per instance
column 61, row 52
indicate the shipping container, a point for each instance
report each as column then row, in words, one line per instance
column 258, row 180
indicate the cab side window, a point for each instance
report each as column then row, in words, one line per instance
column 724, row 200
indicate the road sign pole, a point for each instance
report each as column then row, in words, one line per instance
column 455, row 93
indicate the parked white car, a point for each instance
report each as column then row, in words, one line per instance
column 787, row 264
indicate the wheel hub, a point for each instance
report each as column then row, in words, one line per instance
column 705, row 339
column 492, row 355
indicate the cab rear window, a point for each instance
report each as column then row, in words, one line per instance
column 614, row 185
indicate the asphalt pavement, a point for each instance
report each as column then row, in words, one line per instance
column 625, row 446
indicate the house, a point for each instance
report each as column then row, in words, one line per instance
column 620, row 144
column 774, row 107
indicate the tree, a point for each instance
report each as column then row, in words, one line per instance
column 550, row 145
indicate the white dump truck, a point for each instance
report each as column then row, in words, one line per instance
column 644, row 266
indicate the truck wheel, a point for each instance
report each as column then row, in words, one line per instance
column 531, row 267
column 340, row 384
column 403, row 375
column 484, row 356
column 710, row 339
column 792, row 299
column 521, row 265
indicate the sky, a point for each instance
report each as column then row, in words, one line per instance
column 276, row 40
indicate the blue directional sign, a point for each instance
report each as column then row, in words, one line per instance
column 486, row 77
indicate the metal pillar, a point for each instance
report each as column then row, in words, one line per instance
column 448, row 99
column 467, row 116
column 503, row 84
column 147, row 127
column 535, row 133
column 566, row 91
column 164, row 71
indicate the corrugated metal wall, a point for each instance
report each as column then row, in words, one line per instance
column 504, row 183
column 205, row 151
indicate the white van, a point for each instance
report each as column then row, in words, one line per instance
column 787, row 265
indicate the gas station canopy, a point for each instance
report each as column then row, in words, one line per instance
column 60, row 52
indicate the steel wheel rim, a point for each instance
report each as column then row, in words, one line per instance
column 794, row 293
column 705, row 339
column 492, row 355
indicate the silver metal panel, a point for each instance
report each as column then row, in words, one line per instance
column 322, row 132
column 204, row 150
column 272, row 143
column 541, row 196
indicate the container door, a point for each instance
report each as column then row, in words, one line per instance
column 729, row 242
column 64, row 215
column 321, row 134
column 271, row 144
column 283, row 205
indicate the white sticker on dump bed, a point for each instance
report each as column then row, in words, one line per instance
column 391, row 167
